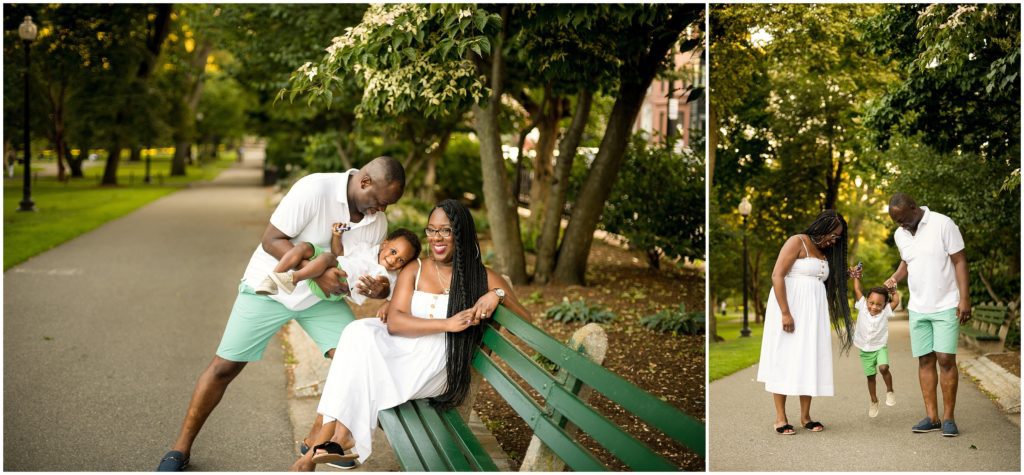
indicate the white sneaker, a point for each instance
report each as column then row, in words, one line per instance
column 267, row 287
column 890, row 398
column 873, row 410
column 284, row 281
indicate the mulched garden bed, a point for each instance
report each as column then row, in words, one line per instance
column 669, row 366
column 1009, row 361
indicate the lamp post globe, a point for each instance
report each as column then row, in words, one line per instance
column 27, row 31
column 744, row 209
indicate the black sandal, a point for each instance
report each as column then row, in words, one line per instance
column 333, row 452
column 814, row 426
column 785, row 430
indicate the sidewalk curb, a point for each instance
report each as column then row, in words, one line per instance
column 1002, row 386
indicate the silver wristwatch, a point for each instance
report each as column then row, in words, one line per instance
column 500, row 293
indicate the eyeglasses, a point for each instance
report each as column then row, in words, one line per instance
column 443, row 232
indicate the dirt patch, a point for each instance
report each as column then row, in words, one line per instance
column 1009, row 361
column 669, row 367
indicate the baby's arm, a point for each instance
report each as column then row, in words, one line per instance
column 855, row 275
column 895, row 301
column 337, row 229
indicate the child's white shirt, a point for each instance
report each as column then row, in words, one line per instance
column 362, row 260
column 872, row 331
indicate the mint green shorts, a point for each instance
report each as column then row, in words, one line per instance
column 256, row 318
column 313, row 287
column 934, row 332
column 871, row 360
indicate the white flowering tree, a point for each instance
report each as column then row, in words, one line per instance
column 436, row 61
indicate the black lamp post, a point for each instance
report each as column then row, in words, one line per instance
column 27, row 31
column 745, row 211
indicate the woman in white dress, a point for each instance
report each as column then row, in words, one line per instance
column 796, row 348
column 422, row 347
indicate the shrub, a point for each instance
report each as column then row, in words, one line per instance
column 657, row 202
column 578, row 311
column 675, row 320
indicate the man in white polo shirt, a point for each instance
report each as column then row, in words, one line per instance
column 934, row 264
column 305, row 214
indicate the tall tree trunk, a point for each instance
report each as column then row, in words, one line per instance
column 543, row 166
column 713, row 320
column 62, row 157
column 517, row 182
column 635, row 77
column 501, row 206
column 547, row 241
column 75, row 163
column 181, row 150
column 712, row 143
column 159, row 28
column 136, row 154
column 988, row 288
column 428, row 192
column 110, row 169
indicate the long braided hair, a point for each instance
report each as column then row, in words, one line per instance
column 469, row 283
column 835, row 284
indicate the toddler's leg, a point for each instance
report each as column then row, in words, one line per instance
column 886, row 376
column 871, row 388
column 316, row 267
column 293, row 257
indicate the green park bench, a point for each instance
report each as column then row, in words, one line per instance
column 425, row 439
column 985, row 322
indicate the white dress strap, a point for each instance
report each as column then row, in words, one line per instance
column 807, row 254
column 416, row 285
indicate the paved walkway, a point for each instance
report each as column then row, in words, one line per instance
column 105, row 335
column 742, row 413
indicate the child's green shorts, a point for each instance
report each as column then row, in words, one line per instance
column 871, row 360
column 320, row 294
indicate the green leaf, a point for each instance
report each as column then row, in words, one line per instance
column 476, row 49
column 480, row 19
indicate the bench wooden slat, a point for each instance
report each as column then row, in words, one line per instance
column 631, row 451
column 571, row 452
column 406, row 452
column 448, row 448
column 469, row 443
column 663, row 416
column 421, row 439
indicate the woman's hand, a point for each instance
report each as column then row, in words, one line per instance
column 459, row 322
column 382, row 312
column 788, row 324
column 374, row 287
column 484, row 307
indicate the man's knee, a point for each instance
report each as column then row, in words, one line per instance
column 927, row 360
column 223, row 371
column 884, row 369
column 947, row 361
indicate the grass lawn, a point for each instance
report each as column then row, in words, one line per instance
column 65, row 211
column 735, row 353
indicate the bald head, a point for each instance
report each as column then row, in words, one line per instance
column 386, row 171
column 904, row 212
column 902, row 200
column 376, row 186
